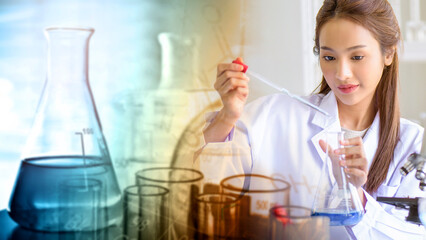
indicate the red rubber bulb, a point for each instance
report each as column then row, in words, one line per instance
column 282, row 216
column 240, row 61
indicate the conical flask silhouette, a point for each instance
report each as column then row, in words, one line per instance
column 66, row 180
column 336, row 197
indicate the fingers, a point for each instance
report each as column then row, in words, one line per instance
column 223, row 67
column 232, row 84
column 355, row 163
column 356, row 176
column 352, row 148
column 226, row 78
column 323, row 144
column 360, row 163
column 356, row 171
column 240, row 93
column 351, row 152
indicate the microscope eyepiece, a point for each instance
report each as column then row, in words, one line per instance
column 409, row 165
column 422, row 184
column 421, row 171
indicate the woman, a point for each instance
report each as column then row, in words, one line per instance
column 356, row 41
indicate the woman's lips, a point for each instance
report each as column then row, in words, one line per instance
column 347, row 88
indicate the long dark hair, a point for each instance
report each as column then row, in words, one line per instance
column 378, row 17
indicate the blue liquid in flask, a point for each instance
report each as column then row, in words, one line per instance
column 46, row 198
column 341, row 218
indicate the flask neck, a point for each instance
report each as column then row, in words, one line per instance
column 67, row 61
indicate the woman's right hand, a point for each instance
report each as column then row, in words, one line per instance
column 232, row 86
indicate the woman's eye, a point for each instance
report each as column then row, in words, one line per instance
column 357, row 57
column 328, row 58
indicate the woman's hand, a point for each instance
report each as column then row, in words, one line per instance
column 354, row 162
column 232, row 86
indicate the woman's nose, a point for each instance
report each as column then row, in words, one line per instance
column 343, row 71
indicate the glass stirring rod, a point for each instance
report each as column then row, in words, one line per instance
column 280, row 89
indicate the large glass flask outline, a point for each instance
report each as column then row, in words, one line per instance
column 65, row 143
column 336, row 197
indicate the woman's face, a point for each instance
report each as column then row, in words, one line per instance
column 351, row 61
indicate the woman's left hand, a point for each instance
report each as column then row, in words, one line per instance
column 355, row 162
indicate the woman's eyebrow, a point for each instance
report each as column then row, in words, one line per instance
column 347, row 49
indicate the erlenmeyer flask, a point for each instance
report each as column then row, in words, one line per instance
column 336, row 197
column 65, row 145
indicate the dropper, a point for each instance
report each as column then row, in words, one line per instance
column 280, row 89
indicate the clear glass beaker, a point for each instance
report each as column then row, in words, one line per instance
column 80, row 201
column 296, row 222
column 184, row 185
column 336, row 197
column 65, row 142
column 145, row 212
column 256, row 194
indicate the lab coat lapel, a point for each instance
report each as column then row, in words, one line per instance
column 327, row 123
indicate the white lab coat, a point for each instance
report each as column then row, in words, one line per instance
column 277, row 136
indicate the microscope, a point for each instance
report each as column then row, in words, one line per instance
column 415, row 161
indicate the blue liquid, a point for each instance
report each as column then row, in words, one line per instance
column 341, row 219
column 46, row 196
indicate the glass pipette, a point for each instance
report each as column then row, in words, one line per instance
column 280, row 89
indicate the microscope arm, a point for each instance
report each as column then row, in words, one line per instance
column 410, row 204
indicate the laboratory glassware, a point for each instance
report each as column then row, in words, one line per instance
column 145, row 212
column 85, row 195
column 296, row 222
column 336, row 197
column 217, row 216
column 257, row 194
column 20, row 233
column 184, row 184
column 179, row 61
column 65, row 143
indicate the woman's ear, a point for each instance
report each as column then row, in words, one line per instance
column 389, row 56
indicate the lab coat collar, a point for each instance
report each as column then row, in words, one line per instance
column 326, row 123
column 329, row 104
